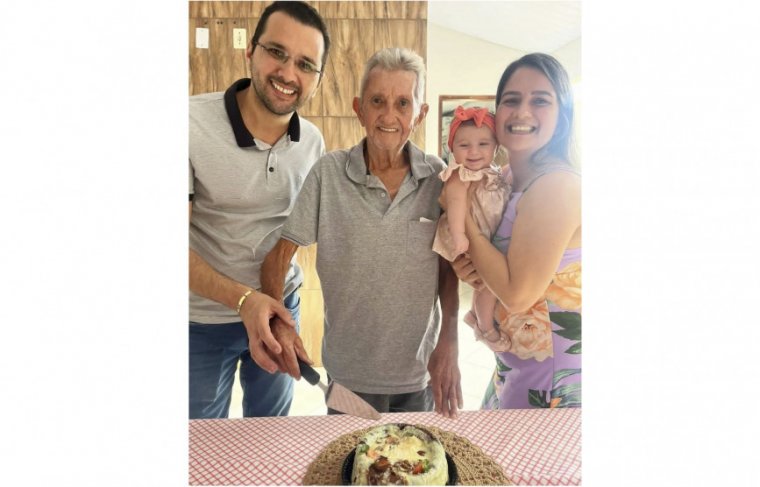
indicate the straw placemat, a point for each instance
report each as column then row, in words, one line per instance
column 473, row 466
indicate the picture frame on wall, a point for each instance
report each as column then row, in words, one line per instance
column 446, row 106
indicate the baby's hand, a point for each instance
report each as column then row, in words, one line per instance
column 461, row 244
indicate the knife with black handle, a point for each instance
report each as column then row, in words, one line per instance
column 311, row 375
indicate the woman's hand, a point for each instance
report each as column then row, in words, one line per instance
column 466, row 272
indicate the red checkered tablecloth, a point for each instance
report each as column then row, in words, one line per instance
column 534, row 446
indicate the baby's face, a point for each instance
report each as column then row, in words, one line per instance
column 474, row 147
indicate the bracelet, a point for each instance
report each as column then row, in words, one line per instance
column 242, row 300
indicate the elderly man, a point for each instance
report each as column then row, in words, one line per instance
column 372, row 210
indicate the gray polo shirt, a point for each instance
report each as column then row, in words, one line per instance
column 378, row 272
column 242, row 190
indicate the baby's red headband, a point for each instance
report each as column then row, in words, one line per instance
column 478, row 115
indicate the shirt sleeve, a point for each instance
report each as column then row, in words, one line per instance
column 303, row 222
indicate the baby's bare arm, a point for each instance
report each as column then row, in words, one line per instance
column 456, row 203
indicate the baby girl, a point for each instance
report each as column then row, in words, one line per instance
column 473, row 146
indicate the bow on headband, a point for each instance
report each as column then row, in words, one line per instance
column 478, row 115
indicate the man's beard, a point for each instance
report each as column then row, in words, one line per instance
column 260, row 87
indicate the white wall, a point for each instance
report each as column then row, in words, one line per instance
column 569, row 56
column 458, row 64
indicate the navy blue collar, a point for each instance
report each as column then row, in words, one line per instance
column 242, row 136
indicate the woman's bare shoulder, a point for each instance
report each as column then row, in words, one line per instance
column 565, row 181
column 553, row 191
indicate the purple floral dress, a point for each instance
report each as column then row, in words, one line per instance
column 543, row 365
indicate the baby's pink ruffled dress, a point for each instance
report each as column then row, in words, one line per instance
column 489, row 199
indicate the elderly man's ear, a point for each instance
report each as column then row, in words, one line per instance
column 423, row 111
column 357, row 109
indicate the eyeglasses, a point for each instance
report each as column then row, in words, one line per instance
column 306, row 67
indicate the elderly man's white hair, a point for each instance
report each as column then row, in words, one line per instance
column 398, row 59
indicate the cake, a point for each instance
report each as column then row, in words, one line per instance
column 399, row 454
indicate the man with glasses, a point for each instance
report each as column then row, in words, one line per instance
column 249, row 155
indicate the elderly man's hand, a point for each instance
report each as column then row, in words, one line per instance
column 256, row 313
column 292, row 348
column 445, row 379
column 466, row 272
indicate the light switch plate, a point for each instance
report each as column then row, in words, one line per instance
column 201, row 38
column 239, row 40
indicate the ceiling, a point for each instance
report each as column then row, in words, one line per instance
column 526, row 26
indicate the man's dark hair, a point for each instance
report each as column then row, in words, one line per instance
column 303, row 13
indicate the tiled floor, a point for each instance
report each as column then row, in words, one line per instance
column 476, row 364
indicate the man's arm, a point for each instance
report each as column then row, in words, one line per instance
column 302, row 222
column 275, row 268
column 445, row 378
column 273, row 272
column 255, row 307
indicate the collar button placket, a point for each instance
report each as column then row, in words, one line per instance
column 270, row 162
